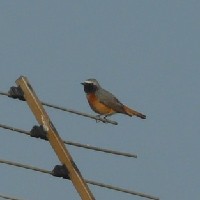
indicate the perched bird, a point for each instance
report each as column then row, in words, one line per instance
column 104, row 103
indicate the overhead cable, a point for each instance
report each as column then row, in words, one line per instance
column 119, row 189
column 97, row 118
column 75, row 143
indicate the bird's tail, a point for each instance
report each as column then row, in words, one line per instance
column 131, row 113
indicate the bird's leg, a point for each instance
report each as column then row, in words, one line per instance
column 105, row 116
column 108, row 115
column 98, row 116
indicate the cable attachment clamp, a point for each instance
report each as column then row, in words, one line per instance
column 16, row 93
column 60, row 171
column 39, row 132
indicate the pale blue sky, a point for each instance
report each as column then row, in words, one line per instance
column 145, row 52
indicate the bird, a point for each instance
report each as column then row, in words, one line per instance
column 105, row 103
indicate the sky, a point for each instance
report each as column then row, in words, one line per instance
column 147, row 53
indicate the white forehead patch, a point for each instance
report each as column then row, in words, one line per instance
column 88, row 81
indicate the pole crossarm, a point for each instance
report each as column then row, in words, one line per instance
column 54, row 139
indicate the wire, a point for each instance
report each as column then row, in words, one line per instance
column 16, row 164
column 7, row 197
column 97, row 118
column 75, row 143
column 123, row 190
column 4, row 93
column 119, row 189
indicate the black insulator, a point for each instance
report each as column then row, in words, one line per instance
column 16, row 93
column 60, row 171
column 38, row 132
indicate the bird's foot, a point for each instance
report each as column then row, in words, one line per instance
column 105, row 116
column 97, row 120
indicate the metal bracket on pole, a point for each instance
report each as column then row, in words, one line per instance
column 54, row 138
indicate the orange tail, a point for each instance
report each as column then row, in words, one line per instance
column 131, row 112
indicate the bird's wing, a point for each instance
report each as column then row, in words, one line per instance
column 109, row 100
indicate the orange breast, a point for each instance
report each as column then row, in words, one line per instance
column 97, row 106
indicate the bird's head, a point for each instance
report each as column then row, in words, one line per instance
column 91, row 85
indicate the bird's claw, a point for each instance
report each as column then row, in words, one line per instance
column 97, row 120
column 99, row 116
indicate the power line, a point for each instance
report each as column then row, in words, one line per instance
column 75, row 143
column 119, row 189
column 4, row 93
column 7, row 197
column 16, row 164
column 25, row 92
column 104, row 120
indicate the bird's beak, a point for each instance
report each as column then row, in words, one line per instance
column 82, row 83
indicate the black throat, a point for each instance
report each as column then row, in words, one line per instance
column 90, row 88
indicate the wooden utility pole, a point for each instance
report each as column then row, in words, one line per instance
column 54, row 139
